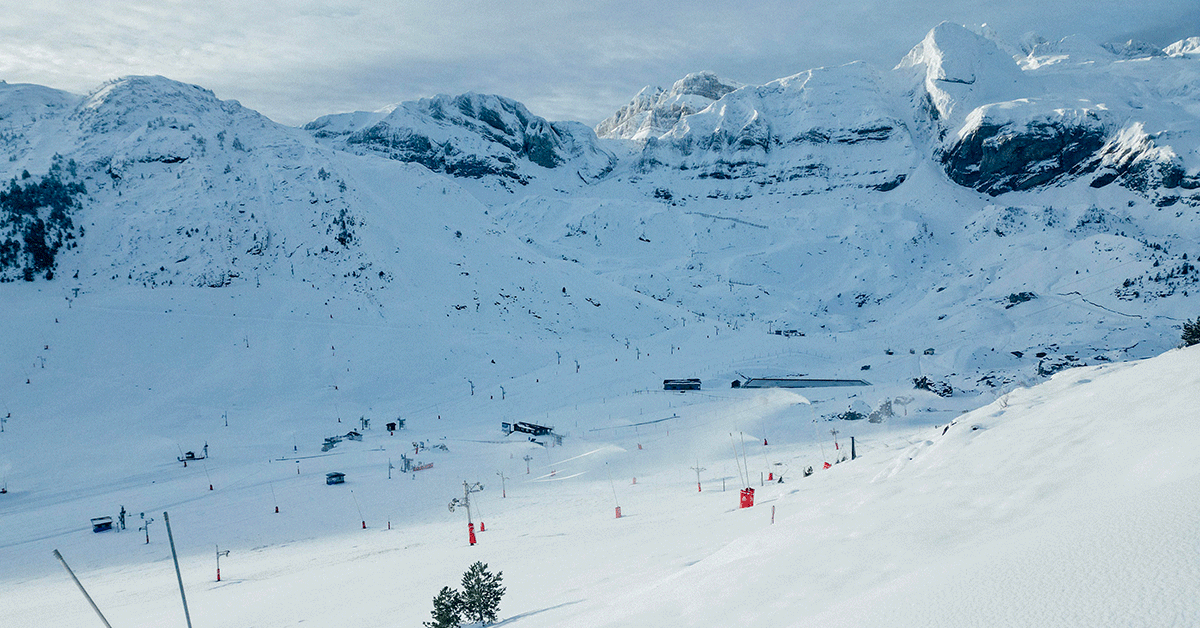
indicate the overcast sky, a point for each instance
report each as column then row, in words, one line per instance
column 294, row 60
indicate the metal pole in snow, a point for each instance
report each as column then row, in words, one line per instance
column 745, row 459
column 737, row 460
column 219, row 555
column 503, row 492
column 81, row 589
column 175, row 557
column 770, row 474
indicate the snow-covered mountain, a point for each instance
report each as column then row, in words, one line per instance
column 841, row 200
column 179, row 270
column 832, row 127
column 1066, row 111
column 471, row 135
column 182, row 190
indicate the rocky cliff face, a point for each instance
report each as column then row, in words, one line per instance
column 1022, row 145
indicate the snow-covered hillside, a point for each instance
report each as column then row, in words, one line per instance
column 177, row 269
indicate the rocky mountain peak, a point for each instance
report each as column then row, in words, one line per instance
column 960, row 70
column 653, row 111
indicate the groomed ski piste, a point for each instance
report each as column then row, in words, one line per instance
column 1071, row 502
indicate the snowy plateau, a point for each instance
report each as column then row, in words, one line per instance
column 998, row 238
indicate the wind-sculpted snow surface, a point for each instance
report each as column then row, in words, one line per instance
column 472, row 136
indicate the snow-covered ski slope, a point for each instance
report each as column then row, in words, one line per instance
column 1070, row 503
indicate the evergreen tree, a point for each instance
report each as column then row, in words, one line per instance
column 1191, row 332
column 447, row 609
column 481, row 593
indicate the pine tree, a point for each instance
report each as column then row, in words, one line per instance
column 447, row 609
column 481, row 593
column 1191, row 332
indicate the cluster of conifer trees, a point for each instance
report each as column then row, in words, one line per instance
column 478, row 601
column 36, row 221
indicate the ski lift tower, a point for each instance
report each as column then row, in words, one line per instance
column 146, row 526
column 503, row 492
column 466, row 503
column 220, row 553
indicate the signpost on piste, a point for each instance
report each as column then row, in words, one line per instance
column 466, row 503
